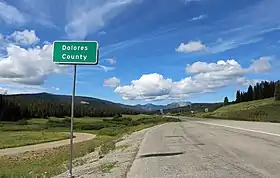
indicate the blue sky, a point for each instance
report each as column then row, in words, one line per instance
column 156, row 51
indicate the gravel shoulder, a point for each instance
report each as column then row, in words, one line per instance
column 79, row 137
column 114, row 164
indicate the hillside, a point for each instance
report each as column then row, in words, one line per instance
column 67, row 99
column 44, row 105
column 260, row 110
column 195, row 107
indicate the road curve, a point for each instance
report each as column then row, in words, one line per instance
column 79, row 137
column 209, row 148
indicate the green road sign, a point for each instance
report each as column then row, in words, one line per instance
column 75, row 52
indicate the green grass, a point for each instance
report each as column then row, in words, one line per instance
column 16, row 139
column 46, row 163
column 54, row 161
column 266, row 110
column 106, row 168
column 139, row 116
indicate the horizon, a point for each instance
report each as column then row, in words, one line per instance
column 197, row 51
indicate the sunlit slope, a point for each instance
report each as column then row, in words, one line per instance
column 260, row 110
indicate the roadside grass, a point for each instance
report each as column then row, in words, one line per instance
column 122, row 147
column 52, row 162
column 139, row 116
column 46, row 163
column 266, row 110
column 16, row 139
column 106, row 167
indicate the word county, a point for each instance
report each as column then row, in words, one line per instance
column 74, row 56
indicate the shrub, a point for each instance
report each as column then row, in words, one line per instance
column 112, row 131
column 22, row 122
column 59, row 123
column 95, row 126
column 277, row 91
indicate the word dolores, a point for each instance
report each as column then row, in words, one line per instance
column 74, row 48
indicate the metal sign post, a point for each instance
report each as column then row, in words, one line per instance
column 72, row 120
column 75, row 53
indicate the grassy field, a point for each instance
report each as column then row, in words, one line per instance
column 266, row 110
column 14, row 139
column 54, row 161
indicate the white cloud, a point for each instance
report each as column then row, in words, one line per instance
column 25, row 37
column 220, row 70
column 246, row 82
column 102, row 33
column 15, row 88
column 10, row 14
column 247, row 26
column 105, row 68
column 190, row 1
column 192, row 46
column 56, row 88
column 207, row 77
column 3, row 91
column 112, row 82
column 91, row 16
column 111, row 60
column 200, row 17
column 148, row 87
column 261, row 65
column 27, row 66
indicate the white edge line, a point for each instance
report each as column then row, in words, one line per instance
column 238, row 128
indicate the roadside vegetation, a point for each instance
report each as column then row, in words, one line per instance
column 267, row 110
column 15, row 139
column 51, row 162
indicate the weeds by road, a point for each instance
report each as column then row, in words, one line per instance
column 51, row 162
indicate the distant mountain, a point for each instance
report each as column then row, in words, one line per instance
column 78, row 100
column 153, row 107
column 177, row 105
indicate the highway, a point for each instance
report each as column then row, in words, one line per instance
column 209, row 148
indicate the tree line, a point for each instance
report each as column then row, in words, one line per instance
column 259, row 91
column 14, row 109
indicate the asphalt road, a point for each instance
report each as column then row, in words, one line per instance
column 212, row 148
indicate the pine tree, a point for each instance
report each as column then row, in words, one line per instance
column 277, row 91
column 250, row 93
column 226, row 102
column 238, row 97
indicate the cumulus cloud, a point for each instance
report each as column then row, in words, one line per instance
column 27, row 66
column 246, row 82
column 192, row 46
column 111, row 60
column 112, row 82
column 148, row 87
column 25, row 37
column 261, row 65
column 207, row 77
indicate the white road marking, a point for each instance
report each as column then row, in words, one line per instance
column 239, row 128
